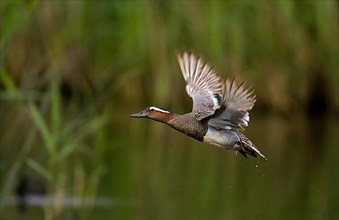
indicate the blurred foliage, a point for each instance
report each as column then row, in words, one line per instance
column 281, row 47
column 69, row 67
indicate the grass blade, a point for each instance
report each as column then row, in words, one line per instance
column 88, row 129
column 39, row 169
column 55, row 103
column 43, row 130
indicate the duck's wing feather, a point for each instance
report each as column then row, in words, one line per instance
column 236, row 102
column 202, row 85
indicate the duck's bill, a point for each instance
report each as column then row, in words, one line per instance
column 138, row 115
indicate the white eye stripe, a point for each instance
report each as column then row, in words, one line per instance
column 158, row 109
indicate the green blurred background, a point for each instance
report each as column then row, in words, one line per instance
column 72, row 72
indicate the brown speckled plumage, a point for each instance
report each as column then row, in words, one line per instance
column 189, row 125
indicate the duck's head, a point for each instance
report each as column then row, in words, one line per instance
column 154, row 113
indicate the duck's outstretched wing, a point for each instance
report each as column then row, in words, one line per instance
column 203, row 85
column 237, row 100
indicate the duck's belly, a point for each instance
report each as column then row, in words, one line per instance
column 220, row 138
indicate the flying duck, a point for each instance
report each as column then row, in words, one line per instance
column 220, row 108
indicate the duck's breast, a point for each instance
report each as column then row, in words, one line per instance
column 189, row 125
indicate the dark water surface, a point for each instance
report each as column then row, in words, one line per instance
column 154, row 172
column 164, row 174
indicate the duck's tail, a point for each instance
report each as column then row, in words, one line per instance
column 247, row 147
